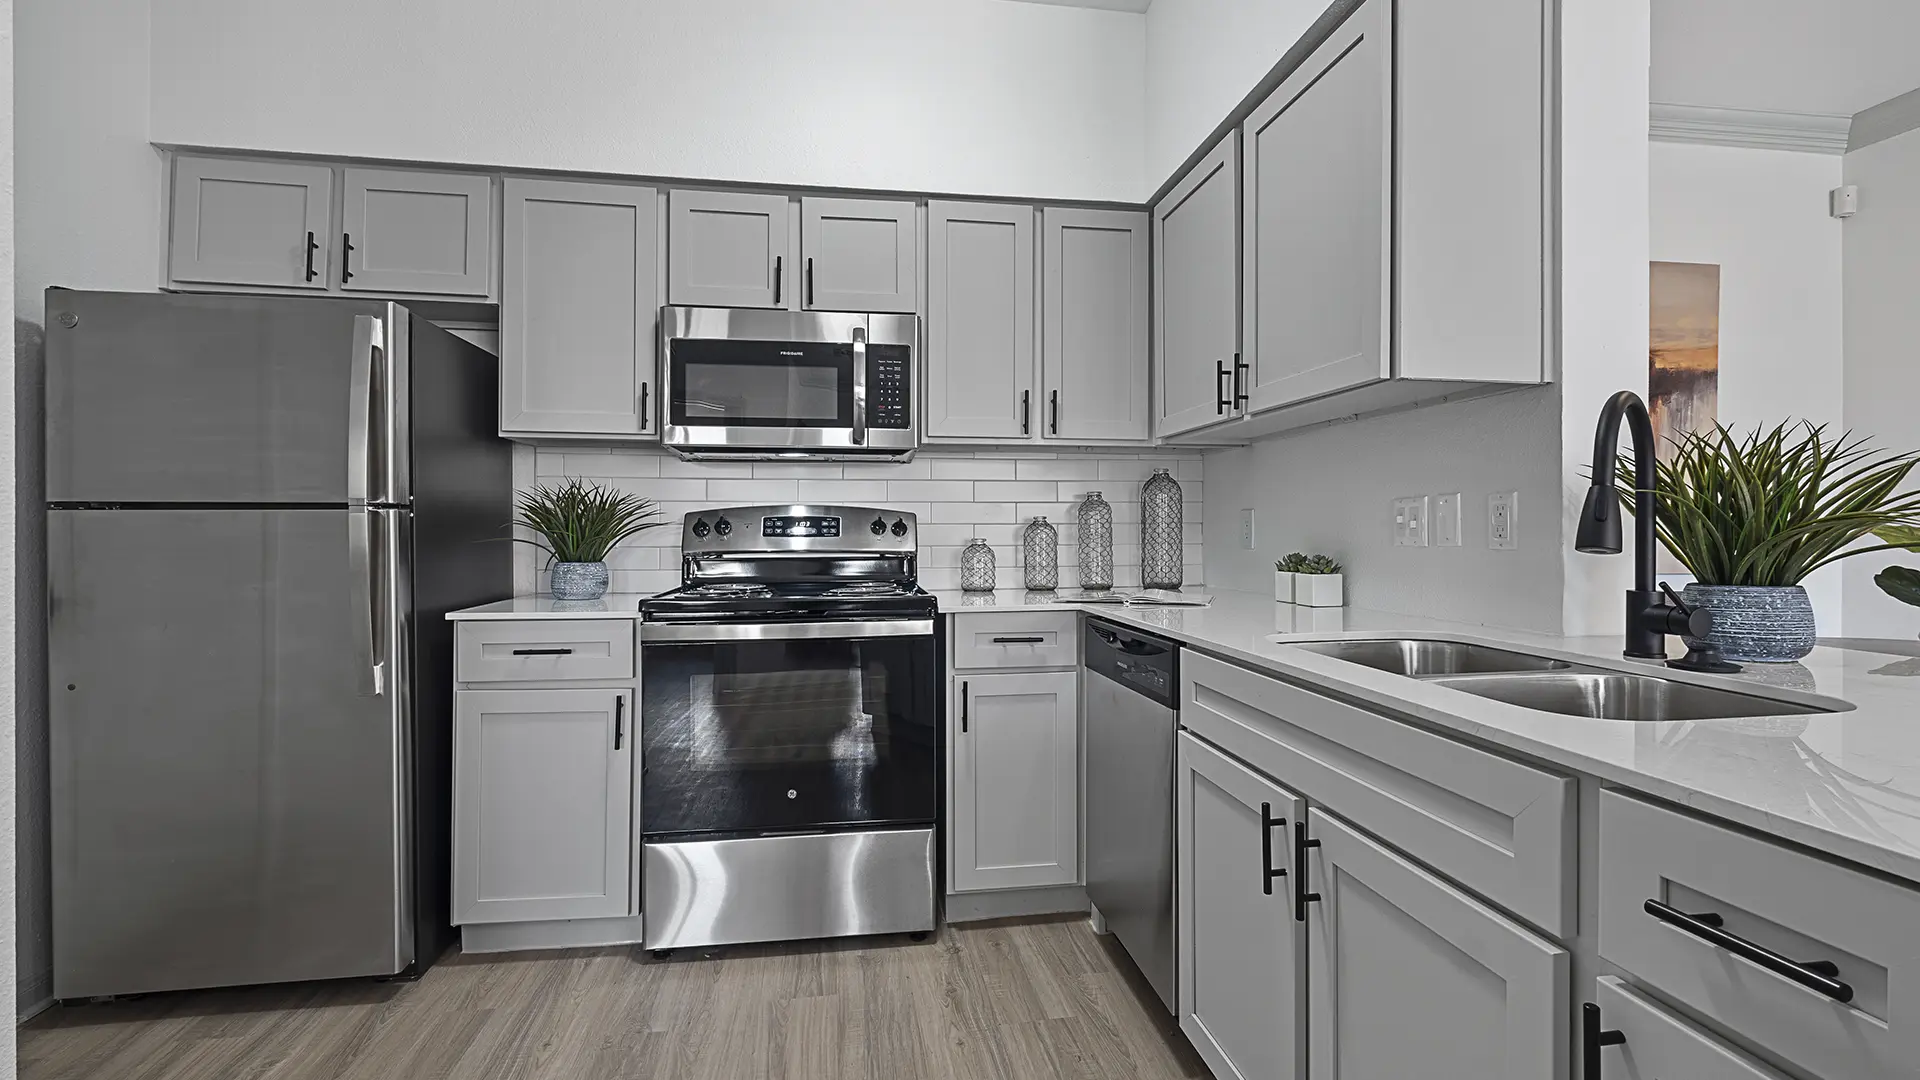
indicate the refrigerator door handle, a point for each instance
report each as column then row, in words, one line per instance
column 360, row 571
column 367, row 335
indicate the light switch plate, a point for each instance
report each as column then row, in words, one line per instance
column 1246, row 529
column 1446, row 520
column 1503, row 520
column 1410, row 521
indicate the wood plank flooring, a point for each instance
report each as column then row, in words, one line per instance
column 1015, row 1000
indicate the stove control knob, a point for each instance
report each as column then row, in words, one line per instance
column 900, row 527
column 723, row 527
column 879, row 527
column 701, row 528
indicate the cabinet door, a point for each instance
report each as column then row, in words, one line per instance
column 1412, row 977
column 416, row 232
column 1196, row 268
column 543, row 804
column 1317, row 251
column 858, row 255
column 1094, row 310
column 1656, row 1045
column 579, row 304
column 980, row 299
column 1016, row 802
column 1242, row 954
column 729, row 249
column 249, row 223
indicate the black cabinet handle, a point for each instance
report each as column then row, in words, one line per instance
column 963, row 708
column 346, row 258
column 643, row 406
column 776, row 281
column 1054, row 429
column 543, row 652
column 619, row 720
column 1018, row 640
column 1815, row 975
column 1592, row 1039
column 809, row 281
column 1239, row 384
column 1026, row 412
column 1301, row 897
column 1221, row 400
column 1268, row 823
column 312, row 245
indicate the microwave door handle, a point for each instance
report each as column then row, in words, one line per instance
column 859, row 386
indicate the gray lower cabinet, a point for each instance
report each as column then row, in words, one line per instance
column 543, row 805
column 579, row 309
column 1653, row 1043
column 1014, row 805
column 730, row 249
column 859, row 255
column 1095, row 275
column 249, row 223
column 1410, row 976
column 1242, row 954
column 407, row 231
column 1196, row 273
column 980, row 332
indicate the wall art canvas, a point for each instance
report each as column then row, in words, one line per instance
column 1683, row 357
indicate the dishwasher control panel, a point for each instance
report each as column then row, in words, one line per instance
column 1144, row 663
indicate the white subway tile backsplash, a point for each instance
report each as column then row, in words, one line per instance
column 1015, row 490
column 1066, row 468
column 983, row 513
column 972, row 468
column 932, row 490
column 784, row 470
column 920, row 468
column 843, row 492
column 612, row 464
column 748, row 492
column 705, row 470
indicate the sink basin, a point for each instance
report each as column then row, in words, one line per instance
column 1421, row 658
column 1606, row 695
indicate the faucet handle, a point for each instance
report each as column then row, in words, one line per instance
column 1674, row 598
column 1681, row 619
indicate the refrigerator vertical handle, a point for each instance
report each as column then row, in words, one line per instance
column 360, row 609
column 367, row 334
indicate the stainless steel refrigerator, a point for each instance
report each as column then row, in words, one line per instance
column 259, row 511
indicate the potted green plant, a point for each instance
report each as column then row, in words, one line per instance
column 1751, row 516
column 578, row 523
column 1319, row 583
column 1900, row 582
column 1283, row 576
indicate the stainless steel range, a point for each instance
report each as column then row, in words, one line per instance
column 791, row 731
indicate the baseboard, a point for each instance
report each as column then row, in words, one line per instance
column 1007, row 903
column 557, row 934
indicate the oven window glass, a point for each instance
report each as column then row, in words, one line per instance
column 761, row 383
column 749, row 736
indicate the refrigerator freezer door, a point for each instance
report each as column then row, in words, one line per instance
column 229, row 806
column 156, row 398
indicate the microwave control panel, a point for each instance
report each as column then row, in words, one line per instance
column 889, row 387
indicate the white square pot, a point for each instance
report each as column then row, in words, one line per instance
column 1319, row 590
column 1283, row 586
column 1296, row 619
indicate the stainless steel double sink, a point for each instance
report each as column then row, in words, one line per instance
column 1550, row 685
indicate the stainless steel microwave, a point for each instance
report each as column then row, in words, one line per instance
column 752, row 383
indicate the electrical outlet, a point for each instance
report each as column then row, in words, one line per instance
column 1246, row 529
column 1446, row 520
column 1503, row 520
column 1410, row 521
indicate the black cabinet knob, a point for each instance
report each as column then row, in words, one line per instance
column 879, row 527
column 701, row 528
column 900, row 527
column 723, row 527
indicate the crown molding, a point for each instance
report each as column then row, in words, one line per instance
column 1751, row 128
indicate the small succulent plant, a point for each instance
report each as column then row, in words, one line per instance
column 1299, row 563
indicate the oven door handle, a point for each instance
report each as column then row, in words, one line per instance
column 713, row 633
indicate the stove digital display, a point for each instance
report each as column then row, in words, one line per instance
column 800, row 526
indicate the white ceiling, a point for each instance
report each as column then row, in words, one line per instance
column 1136, row 6
column 1833, row 57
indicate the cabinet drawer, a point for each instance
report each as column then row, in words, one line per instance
column 1501, row 828
column 544, row 651
column 1778, row 901
column 1656, row 1044
column 1015, row 639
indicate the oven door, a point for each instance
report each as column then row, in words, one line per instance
column 752, row 729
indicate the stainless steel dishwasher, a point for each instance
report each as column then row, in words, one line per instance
column 1132, row 689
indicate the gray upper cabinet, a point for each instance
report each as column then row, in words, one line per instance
column 1318, row 232
column 579, row 309
column 1095, row 271
column 980, row 332
column 858, row 255
column 261, row 223
column 416, row 232
column 730, row 249
column 1196, row 272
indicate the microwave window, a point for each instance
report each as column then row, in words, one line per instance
column 762, row 384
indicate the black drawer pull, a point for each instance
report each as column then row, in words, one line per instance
column 346, row 258
column 543, row 652
column 1019, row 640
column 312, row 244
column 1026, row 412
column 1816, row 975
column 1593, row 1040
column 776, row 281
column 619, row 720
column 963, row 708
column 1301, row 897
column 1268, row 823
column 1239, row 370
column 1055, row 428
column 1223, row 399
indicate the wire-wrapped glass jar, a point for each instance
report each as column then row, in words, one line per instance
column 1096, row 542
column 1162, row 563
column 1040, row 550
column 976, row 566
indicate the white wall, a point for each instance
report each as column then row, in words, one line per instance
column 1882, row 382
column 963, row 96
column 1203, row 57
column 1761, row 215
column 1331, row 490
column 9, row 623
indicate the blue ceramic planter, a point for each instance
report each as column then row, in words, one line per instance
column 1756, row 624
column 579, row 580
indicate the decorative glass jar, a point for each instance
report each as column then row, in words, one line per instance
column 1096, row 542
column 976, row 566
column 1040, row 550
column 1162, row 561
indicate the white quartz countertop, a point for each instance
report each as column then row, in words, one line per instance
column 543, row 606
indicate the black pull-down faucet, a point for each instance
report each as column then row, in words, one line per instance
column 1650, row 618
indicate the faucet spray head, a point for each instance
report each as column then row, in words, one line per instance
column 1599, row 529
